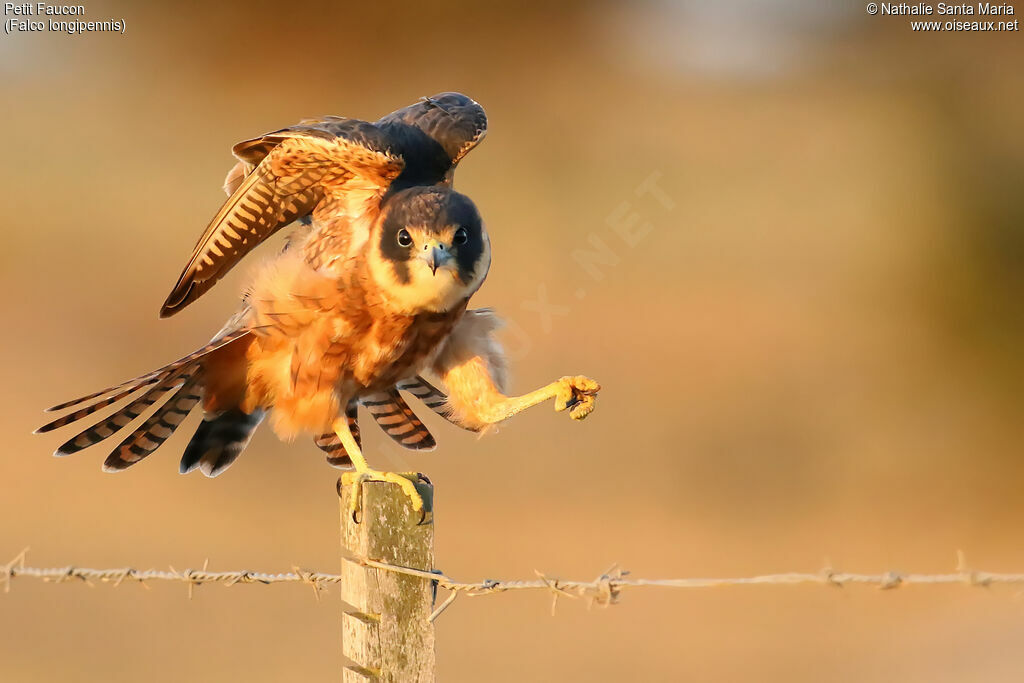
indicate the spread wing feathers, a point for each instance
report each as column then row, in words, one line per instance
column 219, row 440
column 396, row 418
column 329, row 443
column 185, row 375
column 119, row 420
column 432, row 397
column 99, row 405
column 452, row 119
column 157, row 429
column 296, row 168
column 142, row 380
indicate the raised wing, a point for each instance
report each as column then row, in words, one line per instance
column 282, row 176
column 456, row 122
column 292, row 171
column 432, row 136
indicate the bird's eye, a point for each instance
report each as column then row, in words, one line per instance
column 460, row 236
column 404, row 238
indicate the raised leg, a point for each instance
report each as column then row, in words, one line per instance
column 576, row 394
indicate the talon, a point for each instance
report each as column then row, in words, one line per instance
column 406, row 480
column 585, row 407
column 577, row 394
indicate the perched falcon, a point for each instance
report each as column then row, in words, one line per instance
column 370, row 296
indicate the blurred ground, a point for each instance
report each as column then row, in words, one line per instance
column 813, row 355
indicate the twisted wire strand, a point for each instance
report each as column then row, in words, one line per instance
column 603, row 590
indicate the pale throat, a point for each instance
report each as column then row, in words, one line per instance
column 426, row 292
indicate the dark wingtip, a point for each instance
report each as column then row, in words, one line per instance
column 116, row 464
column 179, row 297
column 62, row 406
column 170, row 307
column 427, row 444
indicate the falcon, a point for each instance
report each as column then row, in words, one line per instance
column 370, row 296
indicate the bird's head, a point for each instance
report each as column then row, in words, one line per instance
column 430, row 250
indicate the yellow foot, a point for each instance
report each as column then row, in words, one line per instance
column 407, row 480
column 577, row 394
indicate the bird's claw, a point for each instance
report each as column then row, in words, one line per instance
column 577, row 394
column 406, row 480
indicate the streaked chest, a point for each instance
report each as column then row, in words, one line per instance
column 397, row 347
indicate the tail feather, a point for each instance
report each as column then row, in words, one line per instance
column 157, row 429
column 219, row 440
column 119, row 420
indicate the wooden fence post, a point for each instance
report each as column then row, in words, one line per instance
column 388, row 634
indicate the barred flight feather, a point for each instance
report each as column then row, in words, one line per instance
column 88, row 410
column 123, row 417
column 300, row 167
column 219, row 440
column 257, row 208
column 157, row 429
column 432, row 397
column 396, row 418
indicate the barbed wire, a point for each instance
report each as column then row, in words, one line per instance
column 605, row 589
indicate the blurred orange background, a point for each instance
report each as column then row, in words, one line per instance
column 810, row 352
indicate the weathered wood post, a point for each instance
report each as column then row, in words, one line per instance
column 388, row 634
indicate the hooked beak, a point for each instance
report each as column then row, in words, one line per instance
column 436, row 255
